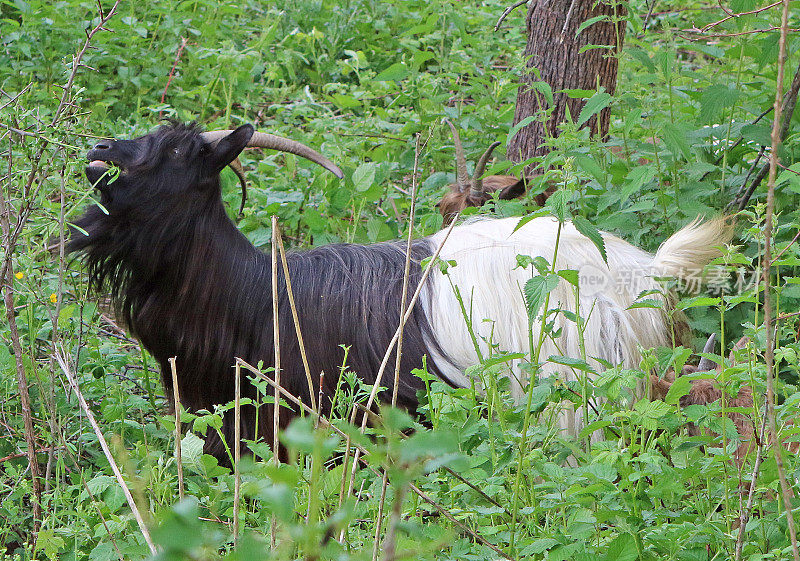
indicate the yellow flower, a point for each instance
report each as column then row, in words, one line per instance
column 53, row 297
column 19, row 275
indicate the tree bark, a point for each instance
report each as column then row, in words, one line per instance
column 554, row 51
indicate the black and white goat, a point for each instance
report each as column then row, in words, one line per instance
column 187, row 283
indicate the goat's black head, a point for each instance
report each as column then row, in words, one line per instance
column 176, row 165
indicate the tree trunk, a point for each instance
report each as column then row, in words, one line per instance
column 554, row 50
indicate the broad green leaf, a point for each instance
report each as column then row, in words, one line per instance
column 596, row 103
column 590, row 231
column 395, row 72
column 557, row 204
column 675, row 139
column 576, row 363
column 364, row 176
column 714, row 99
column 590, row 166
column 622, row 548
column 536, row 291
column 679, row 388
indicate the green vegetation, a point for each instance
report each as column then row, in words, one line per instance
column 358, row 79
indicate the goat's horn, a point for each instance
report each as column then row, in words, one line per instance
column 274, row 142
column 237, row 168
column 707, row 364
column 480, row 167
column 462, row 175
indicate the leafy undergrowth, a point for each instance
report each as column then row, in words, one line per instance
column 358, row 80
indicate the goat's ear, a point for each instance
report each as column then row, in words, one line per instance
column 513, row 191
column 229, row 148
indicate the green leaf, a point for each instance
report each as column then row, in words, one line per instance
column 569, row 275
column 589, row 22
column 557, row 204
column 590, row 231
column 364, row 176
column 536, row 290
column 675, row 139
column 622, row 548
column 576, row 363
column 396, row 72
column 714, row 99
column 760, row 134
column 516, row 128
column 590, row 166
column 679, row 388
column 596, row 103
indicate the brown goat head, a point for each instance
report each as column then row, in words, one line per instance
column 704, row 392
column 475, row 191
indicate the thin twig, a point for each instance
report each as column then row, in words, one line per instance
column 177, row 399
column 106, row 451
column 174, row 66
column 731, row 15
column 777, row 139
column 507, row 11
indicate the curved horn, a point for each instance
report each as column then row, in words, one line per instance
column 480, row 167
column 462, row 175
column 274, row 142
column 707, row 364
column 237, row 168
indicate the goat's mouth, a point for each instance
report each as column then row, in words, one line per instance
column 102, row 172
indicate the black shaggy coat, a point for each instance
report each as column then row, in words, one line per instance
column 187, row 283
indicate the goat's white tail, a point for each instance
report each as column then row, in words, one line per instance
column 690, row 249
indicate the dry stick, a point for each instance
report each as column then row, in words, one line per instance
column 364, row 453
column 767, row 264
column 398, row 355
column 102, row 440
column 744, row 516
column 296, row 322
column 385, row 360
column 787, row 110
column 276, row 343
column 177, row 399
column 237, row 451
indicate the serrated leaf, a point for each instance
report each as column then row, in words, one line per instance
column 596, row 103
column 760, row 134
column 557, row 204
column 590, row 231
column 675, row 139
column 622, row 548
column 714, row 99
column 590, row 166
column 536, row 290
